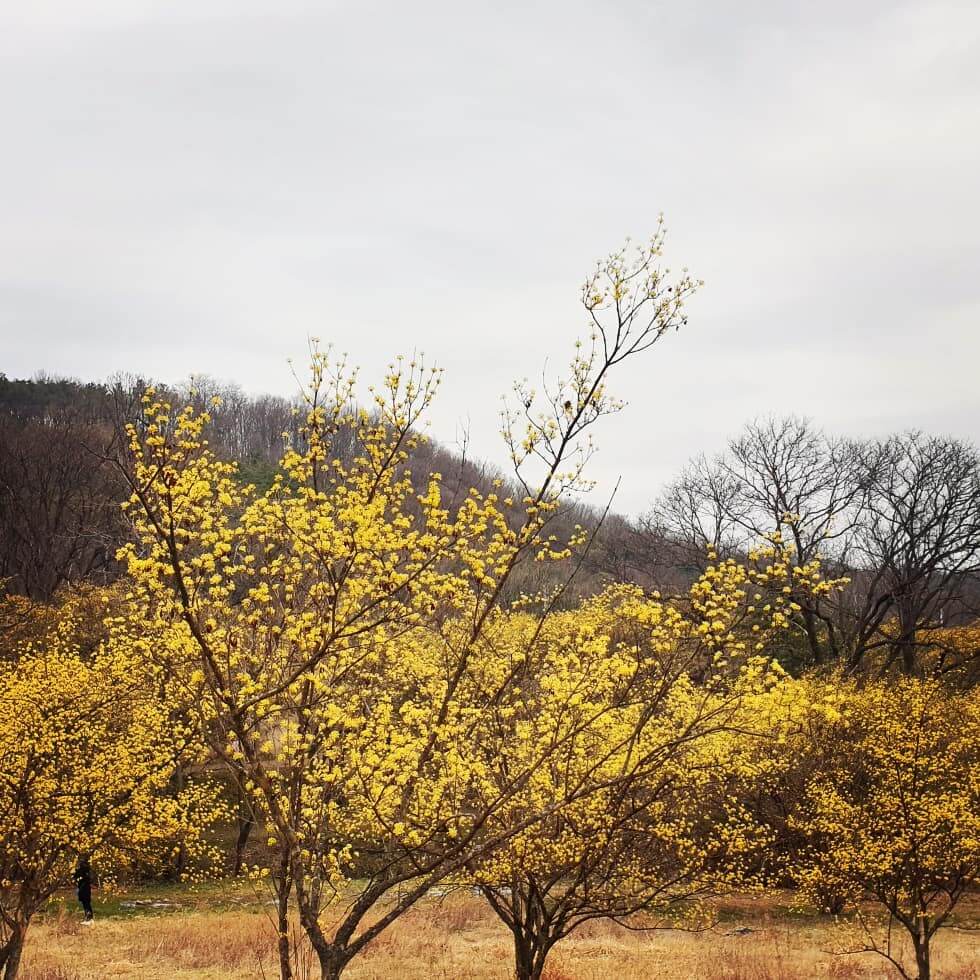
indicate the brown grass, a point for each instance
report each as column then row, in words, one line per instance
column 457, row 937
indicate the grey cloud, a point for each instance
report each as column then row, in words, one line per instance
column 201, row 186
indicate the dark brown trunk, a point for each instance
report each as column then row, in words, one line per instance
column 921, row 943
column 332, row 962
column 284, row 888
column 905, row 645
column 332, row 956
column 523, row 960
column 813, row 636
column 529, row 957
column 285, row 964
column 908, row 658
column 11, row 953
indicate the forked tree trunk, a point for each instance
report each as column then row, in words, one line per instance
column 332, row 962
column 332, row 957
column 529, row 957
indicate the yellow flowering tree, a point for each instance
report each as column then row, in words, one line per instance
column 335, row 629
column 892, row 810
column 88, row 747
column 647, row 705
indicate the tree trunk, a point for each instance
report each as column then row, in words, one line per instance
column 333, row 956
column 180, row 858
column 285, row 965
column 284, row 887
column 921, row 943
column 246, row 823
column 907, row 649
column 523, row 959
column 11, row 953
column 332, row 962
column 905, row 645
column 529, row 958
column 813, row 636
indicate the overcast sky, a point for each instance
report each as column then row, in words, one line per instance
column 199, row 186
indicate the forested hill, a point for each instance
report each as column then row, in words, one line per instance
column 61, row 485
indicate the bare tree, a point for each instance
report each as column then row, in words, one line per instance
column 701, row 512
column 919, row 543
column 780, row 477
column 900, row 517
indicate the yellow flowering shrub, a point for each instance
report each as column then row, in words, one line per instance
column 89, row 743
column 890, row 808
column 647, row 706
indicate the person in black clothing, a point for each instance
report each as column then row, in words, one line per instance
column 83, row 882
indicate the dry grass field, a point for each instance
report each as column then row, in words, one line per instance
column 228, row 936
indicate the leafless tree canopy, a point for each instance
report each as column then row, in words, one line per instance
column 900, row 517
